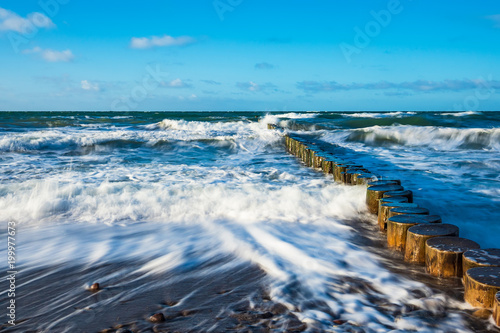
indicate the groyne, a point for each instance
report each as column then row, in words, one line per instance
column 412, row 230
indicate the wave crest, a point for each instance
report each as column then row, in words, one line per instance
column 429, row 136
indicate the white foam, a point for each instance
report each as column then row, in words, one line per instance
column 286, row 219
column 439, row 138
column 398, row 114
column 461, row 114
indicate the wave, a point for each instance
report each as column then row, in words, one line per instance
column 147, row 135
column 291, row 231
column 437, row 138
column 398, row 114
column 461, row 114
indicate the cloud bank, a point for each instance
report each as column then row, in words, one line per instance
column 254, row 87
column 415, row 86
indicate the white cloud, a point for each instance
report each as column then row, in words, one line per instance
column 10, row 21
column 264, row 65
column 86, row 85
column 52, row 55
column 252, row 86
column 496, row 19
column 177, row 83
column 149, row 42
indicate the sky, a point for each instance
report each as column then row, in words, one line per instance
column 243, row 55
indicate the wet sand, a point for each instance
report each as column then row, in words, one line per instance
column 218, row 296
column 373, row 240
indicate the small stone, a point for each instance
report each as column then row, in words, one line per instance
column 339, row 322
column 186, row 313
column 266, row 315
column 157, row 318
column 123, row 330
column 482, row 314
column 95, row 287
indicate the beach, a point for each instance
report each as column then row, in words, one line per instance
column 205, row 218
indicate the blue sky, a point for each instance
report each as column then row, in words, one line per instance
column 249, row 55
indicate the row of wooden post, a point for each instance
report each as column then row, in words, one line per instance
column 411, row 230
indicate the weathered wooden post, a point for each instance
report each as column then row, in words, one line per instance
column 443, row 255
column 496, row 310
column 338, row 169
column 481, row 258
column 327, row 166
column 382, row 182
column 387, row 179
column 405, row 193
column 350, row 172
column 417, row 236
column 385, row 207
column 364, row 179
column 375, row 193
column 398, row 225
column 481, row 284
column 408, row 210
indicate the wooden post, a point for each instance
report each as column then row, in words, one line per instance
column 419, row 234
column 385, row 207
column 338, row 169
column 386, row 179
column 364, row 179
column 375, row 193
column 481, row 284
column 327, row 166
column 397, row 228
column 443, row 255
column 408, row 210
column 405, row 193
column 361, row 175
column 496, row 310
column 392, row 199
column 481, row 258
column 351, row 172
column 382, row 182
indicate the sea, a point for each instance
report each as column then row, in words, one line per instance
column 142, row 202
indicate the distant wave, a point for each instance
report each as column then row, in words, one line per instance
column 398, row 114
column 150, row 135
column 429, row 136
column 293, row 115
column 461, row 114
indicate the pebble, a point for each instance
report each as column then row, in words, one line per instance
column 95, row 287
column 157, row 318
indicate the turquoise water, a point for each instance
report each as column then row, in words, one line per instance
column 173, row 190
